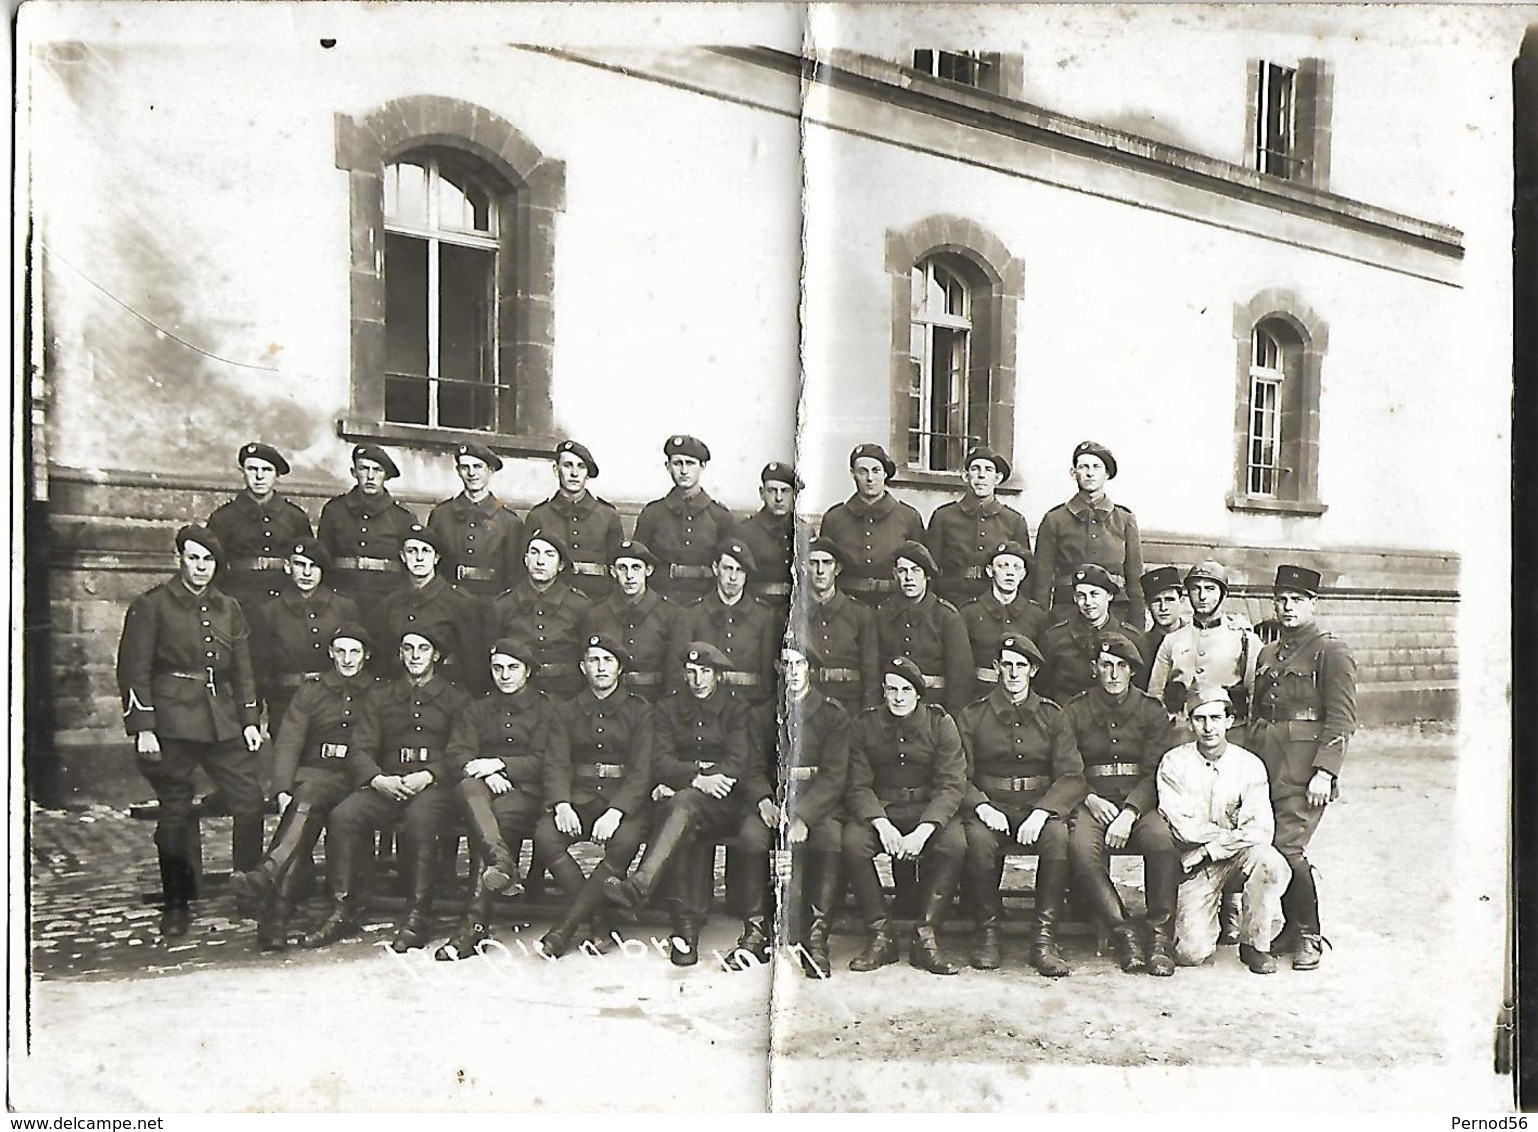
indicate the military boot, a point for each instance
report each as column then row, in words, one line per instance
column 417, row 925
column 499, row 869
column 938, row 887
column 1161, row 881
column 826, row 888
column 1051, row 883
column 343, row 855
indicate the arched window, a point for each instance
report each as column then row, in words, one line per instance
column 947, row 394
column 1267, row 375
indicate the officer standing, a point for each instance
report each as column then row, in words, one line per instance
column 454, row 620
column 552, row 615
column 870, row 525
column 907, row 777
column 189, row 700
column 1003, row 611
column 1165, row 598
column 685, row 526
column 1069, row 645
column 839, row 629
column 739, row 625
column 964, row 532
column 254, row 527
column 1213, row 649
column 589, row 526
column 1027, row 777
column 1089, row 528
column 1305, row 714
column 644, row 624
column 482, row 536
column 926, row 629
column 363, row 530
column 772, row 533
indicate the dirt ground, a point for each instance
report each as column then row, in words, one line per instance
column 1400, row 1016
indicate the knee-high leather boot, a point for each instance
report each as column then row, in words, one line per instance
column 938, row 876
column 245, row 841
column 417, row 925
column 291, row 848
column 476, row 926
column 1099, row 895
column 880, row 948
column 753, row 878
column 589, row 898
column 1051, row 884
column 254, row 887
column 175, row 841
column 826, row 884
column 1161, row 881
column 498, row 868
column 660, row 851
column 982, row 879
column 343, row 856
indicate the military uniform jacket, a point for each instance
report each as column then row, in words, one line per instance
column 405, row 728
column 843, row 631
column 555, row 621
column 1305, row 708
column 1121, row 744
column 485, row 540
column 869, row 533
column 590, row 527
column 257, row 539
column 1032, row 742
column 746, row 632
column 815, row 746
column 600, row 750
column 512, row 727
column 184, row 665
column 694, row 736
column 989, row 621
column 320, row 728
column 684, row 533
column 1069, row 650
column 647, row 628
column 772, row 539
column 917, row 758
column 291, row 636
column 964, row 533
column 931, row 633
column 354, row 526
column 1077, row 532
column 1216, row 653
column 452, row 619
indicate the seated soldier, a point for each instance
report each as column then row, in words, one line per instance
column 598, row 774
column 310, row 778
column 395, row 765
column 1218, row 804
column 497, row 753
column 700, row 750
column 1003, row 610
column 1121, row 734
column 1069, row 645
column 641, row 620
column 1027, row 777
column 907, row 775
column 797, row 793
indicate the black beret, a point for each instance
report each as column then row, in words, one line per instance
column 429, row 633
column 519, row 648
column 1015, row 547
column 580, row 452
column 351, row 630
column 311, row 548
column 739, row 551
column 1119, row 644
column 1299, row 579
column 552, row 539
column 1023, row 646
column 1090, row 574
column 203, row 537
column 632, row 549
column 1159, row 579
column 776, row 472
column 257, row 451
column 797, row 644
column 683, row 445
column 703, row 652
column 918, row 553
column 606, row 643
column 480, row 452
column 909, row 671
column 419, row 533
column 1090, row 448
column 982, row 452
column 873, row 452
column 828, row 546
column 379, row 456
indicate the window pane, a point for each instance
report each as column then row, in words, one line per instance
column 463, row 206
column 406, row 193
column 465, row 289
column 406, row 399
column 405, row 304
column 463, row 405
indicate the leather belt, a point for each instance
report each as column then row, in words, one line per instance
column 802, row 773
column 415, row 754
column 333, row 750
column 644, row 679
column 600, row 770
column 675, row 570
column 868, row 585
column 1108, row 770
column 294, row 679
column 774, row 589
column 838, row 674
column 200, row 677
column 740, row 679
column 705, row 765
column 475, row 573
column 988, row 675
column 381, row 565
column 934, row 681
column 260, row 563
column 1297, row 715
column 1034, row 782
column 907, row 794
column 590, row 569
column 972, row 572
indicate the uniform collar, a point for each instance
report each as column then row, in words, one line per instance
column 1081, row 506
column 428, row 691
column 558, row 593
column 998, row 700
column 589, row 704
column 776, row 523
column 524, row 698
column 901, row 601
column 676, row 502
column 291, row 598
column 331, row 678
column 248, row 503
column 1299, row 636
column 360, row 504
column 859, row 506
column 462, row 505
column 617, row 602
column 972, row 505
column 580, row 507
column 434, row 588
column 186, row 597
column 1110, row 706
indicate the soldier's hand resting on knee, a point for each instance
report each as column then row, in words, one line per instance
column 891, row 840
column 1120, row 829
column 253, row 738
column 147, row 744
column 566, row 819
column 483, row 768
column 607, row 823
column 715, row 785
column 1030, row 829
column 392, row 786
column 1105, row 811
column 798, row 831
column 914, row 843
column 499, row 783
column 993, row 818
column 768, row 813
column 662, row 790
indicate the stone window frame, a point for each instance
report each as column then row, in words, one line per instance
column 1304, row 340
column 1313, row 94
column 536, row 194
column 998, row 72
column 996, row 300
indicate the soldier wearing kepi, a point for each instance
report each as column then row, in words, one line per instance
column 482, row 536
column 454, row 620
column 1121, row 734
column 254, row 527
column 363, row 530
column 598, row 778
column 926, row 629
column 1027, row 777
column 310, row 778
column 1070, row 645
column 1089, row 528
column 685, row 526
column 964, row 532
column 1213, row 649
column 189, row 700
column 1165, row 598
column 772, row 533
column 644, row 624
column 1305, row 714
column 870, row 525
column 741, row 626
column 839, row 629
column 1003, row 611
column 907, row 777
column 589, row 526
column 496, row 752
column 552, row 615
column 291, row 636
column 400, row 775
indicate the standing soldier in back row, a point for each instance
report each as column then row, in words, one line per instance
column 772, row 534
column 255, row 527
column 589, row 526
column 1089, row 528
column 482, row 536
column 685, row 526
column 963, row 533
column 363, row 530
column 870, row 525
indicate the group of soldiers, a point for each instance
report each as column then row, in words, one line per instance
column 936, row 693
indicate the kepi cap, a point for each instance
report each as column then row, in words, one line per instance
column 1299, row 579
column 1159, row 579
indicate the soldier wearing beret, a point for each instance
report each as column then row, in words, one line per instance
column 907, row 777
column 1026, row 778
column 841, row 630
column 1213, row 649
column 455, row 620
column 685, row 526
column 701, row 751
column 254, row 527
column 738, row 624
column 589, row 526
column 189, row 700
column 1003, row 611
column 310, row 778
column 870, row 525
column 401, row 777
column 1165, row 597
column 363, row 530
column 598, row 781
column 644, row 623
column 1069, row 646
column 1089, row 528
column 964, row 532
column 552, row 615
column 482, row 536
column 496, row 761
column 1305, row 714
column 772, row 533
column 1121, row 734
column 926, row 629
column 291, row 635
